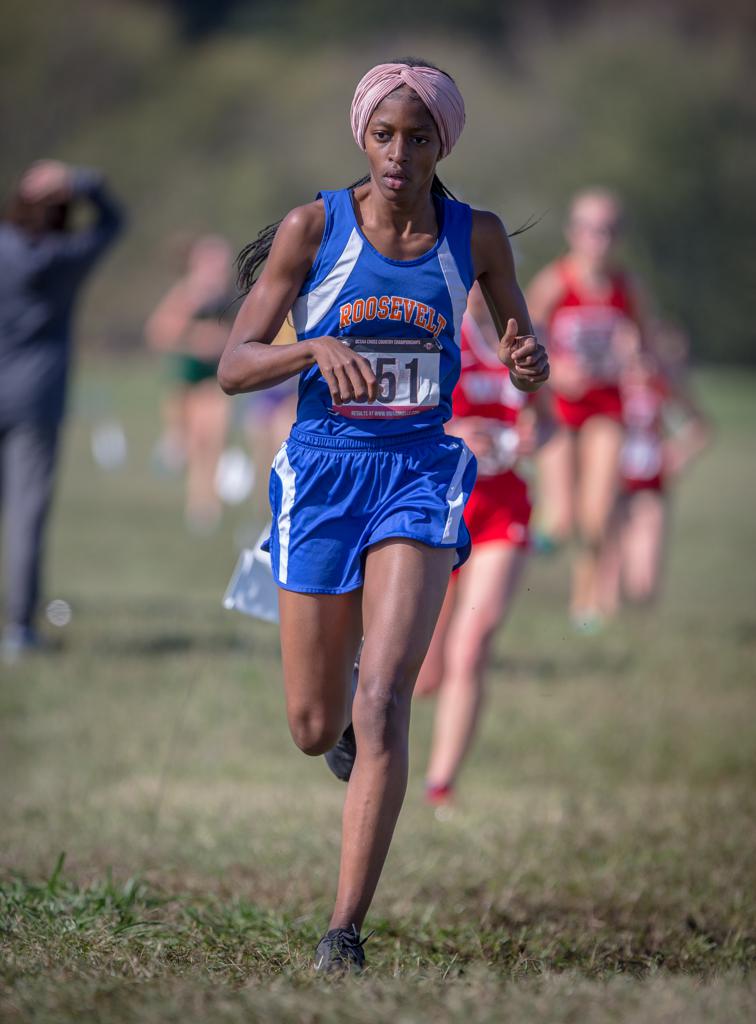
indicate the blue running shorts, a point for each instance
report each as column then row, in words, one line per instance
column 334, row 497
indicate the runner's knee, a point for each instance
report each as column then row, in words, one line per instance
column 593, row 532
column 641, row 587
column 469, row 653
column 381, row 710
column 560, row 526
column 313, row 731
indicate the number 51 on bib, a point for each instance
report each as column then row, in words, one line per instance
column 407, row 370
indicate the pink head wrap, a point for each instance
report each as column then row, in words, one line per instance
column 437, row 91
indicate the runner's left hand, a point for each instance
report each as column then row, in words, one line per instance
column 525, row 357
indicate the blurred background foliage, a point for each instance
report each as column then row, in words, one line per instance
column 222, row 114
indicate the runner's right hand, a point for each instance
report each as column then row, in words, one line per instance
column 349, row 376
column 524, row 356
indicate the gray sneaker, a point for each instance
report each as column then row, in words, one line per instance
column 340, row 952
column 340, row 759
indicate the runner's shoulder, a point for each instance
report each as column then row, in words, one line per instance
column 548, row 286
column 487, row 226
column 489, row 243
column 551, row 276
column 302, row 228
column 308, row 220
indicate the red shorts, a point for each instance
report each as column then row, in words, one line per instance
column 600, row 401
column 499, row 510
column 631, row 486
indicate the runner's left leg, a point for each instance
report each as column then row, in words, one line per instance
column 405, row 583
column 611, row 558
column 643, row 545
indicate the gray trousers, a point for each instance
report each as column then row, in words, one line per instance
column 28, row 455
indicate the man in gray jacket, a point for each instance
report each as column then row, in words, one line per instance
column 43, row 264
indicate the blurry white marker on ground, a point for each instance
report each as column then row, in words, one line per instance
column 109, row 446
column 234, row 477
column 59, row 613
column 252, row 589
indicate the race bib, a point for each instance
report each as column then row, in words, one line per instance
column 642, row 456
column 587, row 335
column 408, row 372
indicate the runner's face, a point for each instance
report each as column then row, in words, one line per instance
column 593, row 229
column 402, row 145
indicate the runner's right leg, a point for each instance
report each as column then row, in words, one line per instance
column 556, row 486
column 320, row 637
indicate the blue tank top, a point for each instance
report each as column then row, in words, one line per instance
column 405, row 316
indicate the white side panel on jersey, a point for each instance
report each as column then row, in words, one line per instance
column 481, row 350
column 455, row 498
column 309, row 309
column 457, row 290
column 287, row 477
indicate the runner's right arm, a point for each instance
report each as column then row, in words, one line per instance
column 249, row 361
column 694, row 435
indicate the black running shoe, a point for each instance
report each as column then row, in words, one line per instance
column 340, row 952
column 340, row 759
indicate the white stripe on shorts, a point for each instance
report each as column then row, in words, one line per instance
column 287, row 476
column 455, row 497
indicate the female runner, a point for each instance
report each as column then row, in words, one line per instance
column 187, row 327
column 655, row 394
column 583, row 302
column 500, row 424
column 368, row 492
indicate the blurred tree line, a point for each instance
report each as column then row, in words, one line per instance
column 221, row 114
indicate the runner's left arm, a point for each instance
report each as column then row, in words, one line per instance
column 695, row 433
column 494, row 269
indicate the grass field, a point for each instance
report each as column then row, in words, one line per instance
column 168, row 855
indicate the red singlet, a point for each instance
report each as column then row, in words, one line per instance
column 583, row 331
column 499, row 507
